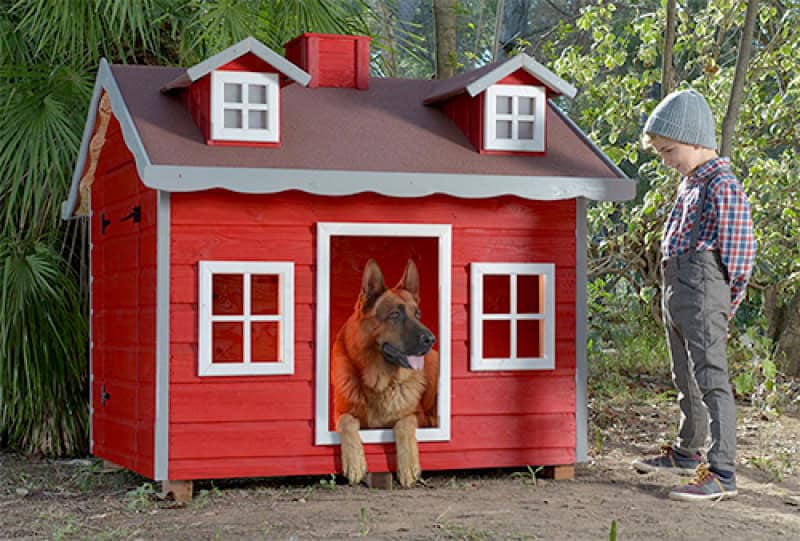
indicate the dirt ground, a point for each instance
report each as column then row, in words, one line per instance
column 49, row 499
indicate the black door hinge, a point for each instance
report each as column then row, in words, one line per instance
column 104, row 223
column 136, row 215
column 104, row 396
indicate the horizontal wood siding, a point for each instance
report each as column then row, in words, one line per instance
column 264, row 425
column 123, row 263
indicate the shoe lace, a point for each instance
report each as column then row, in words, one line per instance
column 701, row 475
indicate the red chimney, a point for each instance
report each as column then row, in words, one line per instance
column 332, row 60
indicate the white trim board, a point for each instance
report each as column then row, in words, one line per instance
column 326, row 230
column 161, row 436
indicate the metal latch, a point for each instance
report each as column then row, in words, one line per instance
column 104, row 396
column 136, row 215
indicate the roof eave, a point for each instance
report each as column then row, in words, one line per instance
column 532, row 67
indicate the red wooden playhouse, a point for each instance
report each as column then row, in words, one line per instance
column 233, row 206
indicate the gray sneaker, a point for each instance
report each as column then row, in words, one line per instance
column 706, row 485
column 669, row 461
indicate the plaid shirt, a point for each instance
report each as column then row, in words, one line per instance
column 726, row 223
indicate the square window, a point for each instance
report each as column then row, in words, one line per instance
column 518, row 334
column 529, row 338
column 227, row 346
column 265, row 338
column 504, row 105
column 228, row 294
column 497, row 339
column 245, row 106
column 496, row 294
column 257, row 120
column 514, row 118
column 265, row 291
column 233, row 93
column 525, row 105
column 233, row 118
column 257, row 94
column 525, row 129
column 504, row 129
column 529, row 294
column 246, row 318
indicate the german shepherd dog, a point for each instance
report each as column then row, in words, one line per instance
column 384, row 372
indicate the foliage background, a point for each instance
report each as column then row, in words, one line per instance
column 612, row 51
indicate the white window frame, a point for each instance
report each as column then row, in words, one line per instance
column 491, row 116
column 284, row 317
column 324, row 436
column 218, row 106
column 480, row 363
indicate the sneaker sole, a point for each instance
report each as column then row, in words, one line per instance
column 642, row 467
column 684, row 497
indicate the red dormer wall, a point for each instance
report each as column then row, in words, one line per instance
column 467, row 111
column 197, row 97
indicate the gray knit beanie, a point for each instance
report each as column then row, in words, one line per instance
column 686, row 117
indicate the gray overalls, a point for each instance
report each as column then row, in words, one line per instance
column 696, row 304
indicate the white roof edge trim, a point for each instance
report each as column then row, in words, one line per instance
column 249, row 45
column 534, row 68
column 105, row 81
column 173, row 178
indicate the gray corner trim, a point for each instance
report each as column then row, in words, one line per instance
column 553, row 81
column 161, row 461
column 619, row 172
column 247, row 45
column 581, row 363
column 393, row 184
column 105, row 81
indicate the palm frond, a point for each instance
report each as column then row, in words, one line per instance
column 43, row 339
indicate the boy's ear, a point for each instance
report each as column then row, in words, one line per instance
column 372, row 286
column 410, row 280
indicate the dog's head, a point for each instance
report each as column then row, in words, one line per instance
column 402, row 338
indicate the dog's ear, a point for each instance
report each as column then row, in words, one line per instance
column 372, row 285
column 410, row 280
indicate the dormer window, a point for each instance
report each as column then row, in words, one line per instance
column 515, row 118
column 244, row 106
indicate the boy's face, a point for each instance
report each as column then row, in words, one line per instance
column 682, row 157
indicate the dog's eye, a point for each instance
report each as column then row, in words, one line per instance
column 418, row 314
column 395, row 315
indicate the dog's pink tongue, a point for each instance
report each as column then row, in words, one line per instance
column 416, row 362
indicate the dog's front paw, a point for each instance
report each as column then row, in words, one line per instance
column 354, row 463
column 407, row 474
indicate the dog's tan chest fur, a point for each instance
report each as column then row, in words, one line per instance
column 395, row 400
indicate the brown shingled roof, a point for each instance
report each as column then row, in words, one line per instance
column 386, row 128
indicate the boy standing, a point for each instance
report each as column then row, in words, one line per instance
column 707, row 257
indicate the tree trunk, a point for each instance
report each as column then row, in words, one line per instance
column 787, row 350
column 742, row 61
column 498, row 26
column 444, row 13
column 667, row 69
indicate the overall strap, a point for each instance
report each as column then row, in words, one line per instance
column 694, row 236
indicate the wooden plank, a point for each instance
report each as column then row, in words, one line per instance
column 511, row 247
column 531, row 392
column 191, row 244
column 430, row 461
column 180, row 491
column 560, row 473
column 221, row 207
column 232, row 400
column 295, row 438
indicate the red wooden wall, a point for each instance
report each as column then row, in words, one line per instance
column 264, row 426
column 123, row 269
